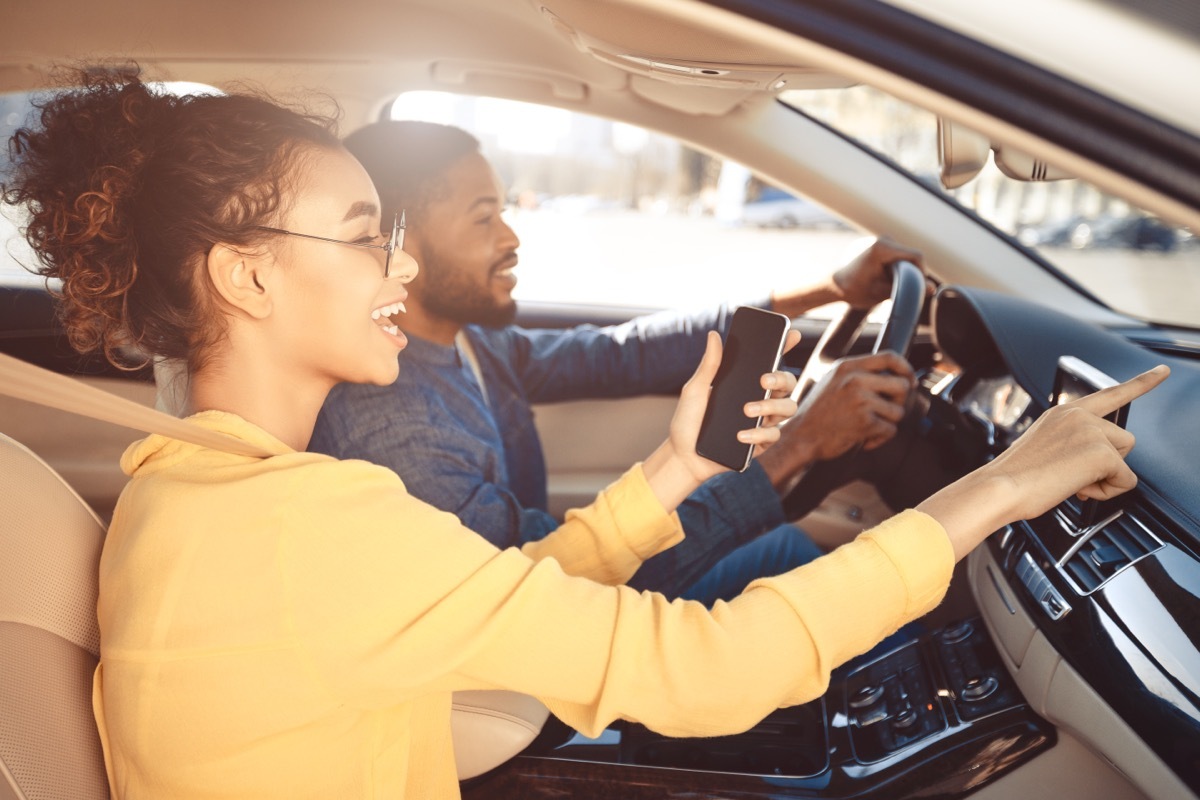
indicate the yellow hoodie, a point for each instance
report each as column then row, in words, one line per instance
column 294, row 626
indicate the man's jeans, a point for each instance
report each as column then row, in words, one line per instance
column 775, row 552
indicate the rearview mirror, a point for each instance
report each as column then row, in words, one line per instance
column 1024, row 167
column 963, row 153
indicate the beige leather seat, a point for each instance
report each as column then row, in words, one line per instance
column 50, row 543
column 49, row 643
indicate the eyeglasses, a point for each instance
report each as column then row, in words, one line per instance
column 396, row 242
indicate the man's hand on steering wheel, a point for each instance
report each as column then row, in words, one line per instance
column 866, row 279
column 909, row 287
column 858, row 402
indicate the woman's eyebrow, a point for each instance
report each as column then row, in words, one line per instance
column 362, row 208
column 483, row 201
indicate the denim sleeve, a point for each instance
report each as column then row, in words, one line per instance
column 439, row 461
column 723, row 514
column 650, row 354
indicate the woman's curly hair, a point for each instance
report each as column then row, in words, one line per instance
column 128, row 189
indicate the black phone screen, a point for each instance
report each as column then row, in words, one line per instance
column 753, row 346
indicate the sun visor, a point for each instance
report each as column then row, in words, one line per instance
column 648, row 43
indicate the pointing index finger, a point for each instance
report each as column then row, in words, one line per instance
column 1106, row 401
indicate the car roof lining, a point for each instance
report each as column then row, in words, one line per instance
column 513, row 52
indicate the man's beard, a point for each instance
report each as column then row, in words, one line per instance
column 452, row 295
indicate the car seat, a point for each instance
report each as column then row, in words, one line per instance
column 50, row 544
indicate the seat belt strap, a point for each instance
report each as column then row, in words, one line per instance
column 41, row 386
column 468, row 350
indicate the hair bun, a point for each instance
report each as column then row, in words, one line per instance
column 128, row 189
column 80, row 176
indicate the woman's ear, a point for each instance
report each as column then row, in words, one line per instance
column 241, row 279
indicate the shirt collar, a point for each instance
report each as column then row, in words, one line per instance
column 432, row 353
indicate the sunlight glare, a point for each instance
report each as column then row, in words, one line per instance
column 513, row 126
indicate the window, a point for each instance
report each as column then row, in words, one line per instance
column 612, row 214
column 1130, row 260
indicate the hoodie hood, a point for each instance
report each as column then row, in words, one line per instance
column 157, row 451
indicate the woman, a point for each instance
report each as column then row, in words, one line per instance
column 294, row 625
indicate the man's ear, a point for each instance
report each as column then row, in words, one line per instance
column 241, row 280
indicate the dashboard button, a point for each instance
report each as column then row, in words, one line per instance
column 958, row 632
column 978, row 688
column 867, row 695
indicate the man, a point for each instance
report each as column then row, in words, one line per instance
column 458, row 425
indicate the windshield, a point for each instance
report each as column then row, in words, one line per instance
column 1130, row 260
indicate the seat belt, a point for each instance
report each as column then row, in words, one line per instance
column 488, row 727
column 37, row 385
column 468, row 351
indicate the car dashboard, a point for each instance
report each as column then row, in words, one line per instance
column 1085, row 630
column 1094, row 610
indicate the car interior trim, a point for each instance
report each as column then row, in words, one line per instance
column 909, row 46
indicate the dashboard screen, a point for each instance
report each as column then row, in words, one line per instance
column 1001, row 402
column 1076, row 378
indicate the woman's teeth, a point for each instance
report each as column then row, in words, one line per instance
column 388, row 311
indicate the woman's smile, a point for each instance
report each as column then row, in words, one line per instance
column 384, row 317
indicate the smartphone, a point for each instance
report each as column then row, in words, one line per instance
column 753, row 347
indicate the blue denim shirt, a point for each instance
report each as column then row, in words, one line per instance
column 482, row 458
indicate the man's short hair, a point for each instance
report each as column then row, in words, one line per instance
column 407, row 159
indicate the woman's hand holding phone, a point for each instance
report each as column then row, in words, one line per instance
column 675, row 469
column 753, row 347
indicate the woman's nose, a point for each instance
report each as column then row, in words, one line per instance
column 404, row 267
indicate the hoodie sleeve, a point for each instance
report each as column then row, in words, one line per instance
column 392, row 599
column 609, row 540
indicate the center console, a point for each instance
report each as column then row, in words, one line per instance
column 929, row 714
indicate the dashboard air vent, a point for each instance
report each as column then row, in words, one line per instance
column 1111, row 547
column 1071, row 511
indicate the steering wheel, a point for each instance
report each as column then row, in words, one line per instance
column 908, row 295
